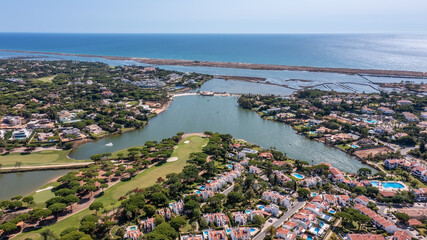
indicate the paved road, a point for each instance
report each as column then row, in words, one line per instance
column 281, row 220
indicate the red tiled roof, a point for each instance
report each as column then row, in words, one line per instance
column 368, row 236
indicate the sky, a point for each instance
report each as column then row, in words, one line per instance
column 214, row 16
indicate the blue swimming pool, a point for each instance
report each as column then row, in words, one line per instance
column 197, row 192
column 317, row 230
column 394, row 185
column 298, row 176
column 309, row 237
column 253, row 230
column 202, row 187
column 322, row 224
column 332, row 211
column 247, row 211
column 371, row 121
column 353, row 146
column 261, row 207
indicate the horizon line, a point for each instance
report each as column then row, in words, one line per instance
column 219, row 33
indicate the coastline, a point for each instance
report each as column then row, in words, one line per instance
column 253, row 66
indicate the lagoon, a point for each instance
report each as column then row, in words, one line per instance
column 222, row 114
column 22, row 183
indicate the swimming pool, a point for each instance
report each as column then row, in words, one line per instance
column 332, row 212
column 247, row 211
column 298, row 176
column 197, row 192
column 253, row 230
column 202, row 187
column 353, row 146
column 371, row 121
column 394, row 185
column 261, row 207
column 309, row 237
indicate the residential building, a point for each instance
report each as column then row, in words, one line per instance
column 376, row 219
column 410, row 117
column 192, row 237
column 177, row 207
column 285, row 234
column 367, row 236
column 94, row 129
column 240, row 218
column 21, row 134
column 241, row 233
column 147, row 225
column 214, row 235
column 362, row 200
column 401, row 235
column 273, row 209
column 133, row 233
column 344, row 200
column 219, row 219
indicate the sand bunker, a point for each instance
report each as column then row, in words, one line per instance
column 188, row 141
column 172, row 159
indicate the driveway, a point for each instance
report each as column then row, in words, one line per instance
column 278, row 222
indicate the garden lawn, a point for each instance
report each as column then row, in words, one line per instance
column 148, row 177
column 47, row 79
column 49, row 157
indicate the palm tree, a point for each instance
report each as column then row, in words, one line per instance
column 271, row 231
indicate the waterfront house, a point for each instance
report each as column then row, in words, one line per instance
column 94, row 129
column 394, row 163
column 336, row 175
column 240, row 233
column 133, row 233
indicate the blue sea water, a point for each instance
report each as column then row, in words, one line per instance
column 379, row 51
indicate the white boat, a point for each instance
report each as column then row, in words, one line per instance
column 109, row 144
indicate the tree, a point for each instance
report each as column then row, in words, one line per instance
column 75, row 235
column 48, row 234
column 403, row 217
column 271, row 231
column 28, row 200
column 258, row 220
column 159, row 199
column 178, row 222
column 235, row 197
column 149, row 210
column 303, row 192
column 364, row 172
column 8, row 226
column 96, row 206
column 57, row 207
column 18, row 165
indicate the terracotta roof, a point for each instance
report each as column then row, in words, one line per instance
column 387, row 193
column 401, row 235
column 368, row 236
column 414, row 222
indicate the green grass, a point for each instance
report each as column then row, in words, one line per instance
column 49, row 157
column 47, row 79
column 142, row 180
column 40, row 198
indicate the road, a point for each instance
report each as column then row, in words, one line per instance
column 295, row 208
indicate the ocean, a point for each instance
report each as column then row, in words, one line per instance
column 372, row 51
